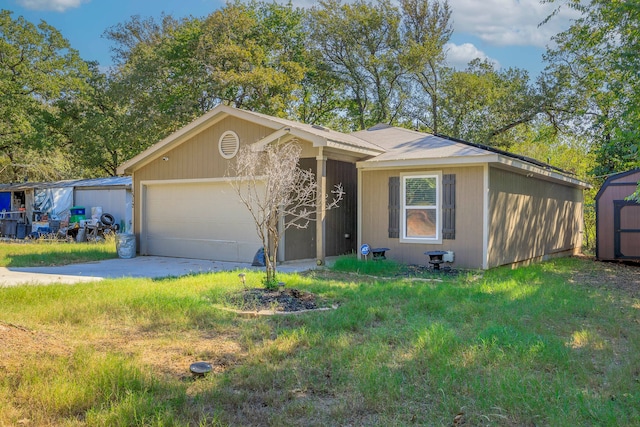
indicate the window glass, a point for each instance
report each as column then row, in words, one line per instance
column 421, row 223
column 420, row 208
column 421, row 191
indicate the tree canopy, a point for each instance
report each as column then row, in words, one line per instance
column 38, row 69
column 346, row 65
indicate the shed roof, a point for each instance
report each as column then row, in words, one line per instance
column 615, row 177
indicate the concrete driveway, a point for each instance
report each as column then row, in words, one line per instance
column 141, row 266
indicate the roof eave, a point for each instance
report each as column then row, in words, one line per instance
column 434, row 161
column 492, row 158
column 547, row 173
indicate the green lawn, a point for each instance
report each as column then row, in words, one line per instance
column 533, row 346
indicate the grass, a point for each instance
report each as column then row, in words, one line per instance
column 508, row 347
column 36, row 253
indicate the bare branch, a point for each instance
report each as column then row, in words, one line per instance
column 277, row 193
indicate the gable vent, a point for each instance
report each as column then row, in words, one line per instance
column 229, row 144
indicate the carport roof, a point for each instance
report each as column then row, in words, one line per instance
column 109, row 182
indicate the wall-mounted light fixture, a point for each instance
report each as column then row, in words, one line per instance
column 165, row 159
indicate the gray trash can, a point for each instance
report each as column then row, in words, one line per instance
column 126, row 245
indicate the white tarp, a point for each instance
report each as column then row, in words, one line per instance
column 55, row 202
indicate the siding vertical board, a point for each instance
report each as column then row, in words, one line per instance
column 340, row 222
column 300, row 243
column 531, row 218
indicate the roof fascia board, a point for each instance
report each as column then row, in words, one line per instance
column 352, row 148
column 413, row 163
column 518, row 164
column 316, row 140
column 261, row 144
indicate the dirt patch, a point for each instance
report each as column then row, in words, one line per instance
column 617, row 276
column 17, row 341
column 162, row 352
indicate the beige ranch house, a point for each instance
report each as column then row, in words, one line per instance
column 407, row 191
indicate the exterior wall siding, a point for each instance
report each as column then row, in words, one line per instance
column 467, row 246
column 530, row 218
column 300, row 243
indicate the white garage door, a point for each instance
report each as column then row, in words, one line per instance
column 197, row 220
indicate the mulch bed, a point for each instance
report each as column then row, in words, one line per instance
column 289, row 300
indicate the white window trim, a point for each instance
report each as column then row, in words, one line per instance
column 403, row 216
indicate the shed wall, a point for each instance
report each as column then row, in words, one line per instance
column 615, row 189
column 117, row 202
column 530, row 218
column 467, row 245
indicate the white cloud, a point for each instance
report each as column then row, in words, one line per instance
column 458, row 56
column 509, row 22
column 55, row 5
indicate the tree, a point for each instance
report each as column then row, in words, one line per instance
column 253, row 55
column 487, row 106
column 426, row 29
column 37, row 70
column 278, row 194
column 596, row 60
column 361, row 43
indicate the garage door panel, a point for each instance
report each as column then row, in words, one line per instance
column 201, row 220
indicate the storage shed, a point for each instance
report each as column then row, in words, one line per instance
column 27, row 202
column 617, row 219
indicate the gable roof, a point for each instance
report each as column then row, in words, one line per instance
column 616, row 176
column 318, row 135
column 408, row 148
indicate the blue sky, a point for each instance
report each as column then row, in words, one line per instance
column 504, row 31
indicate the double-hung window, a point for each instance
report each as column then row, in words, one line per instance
column 421, row 208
